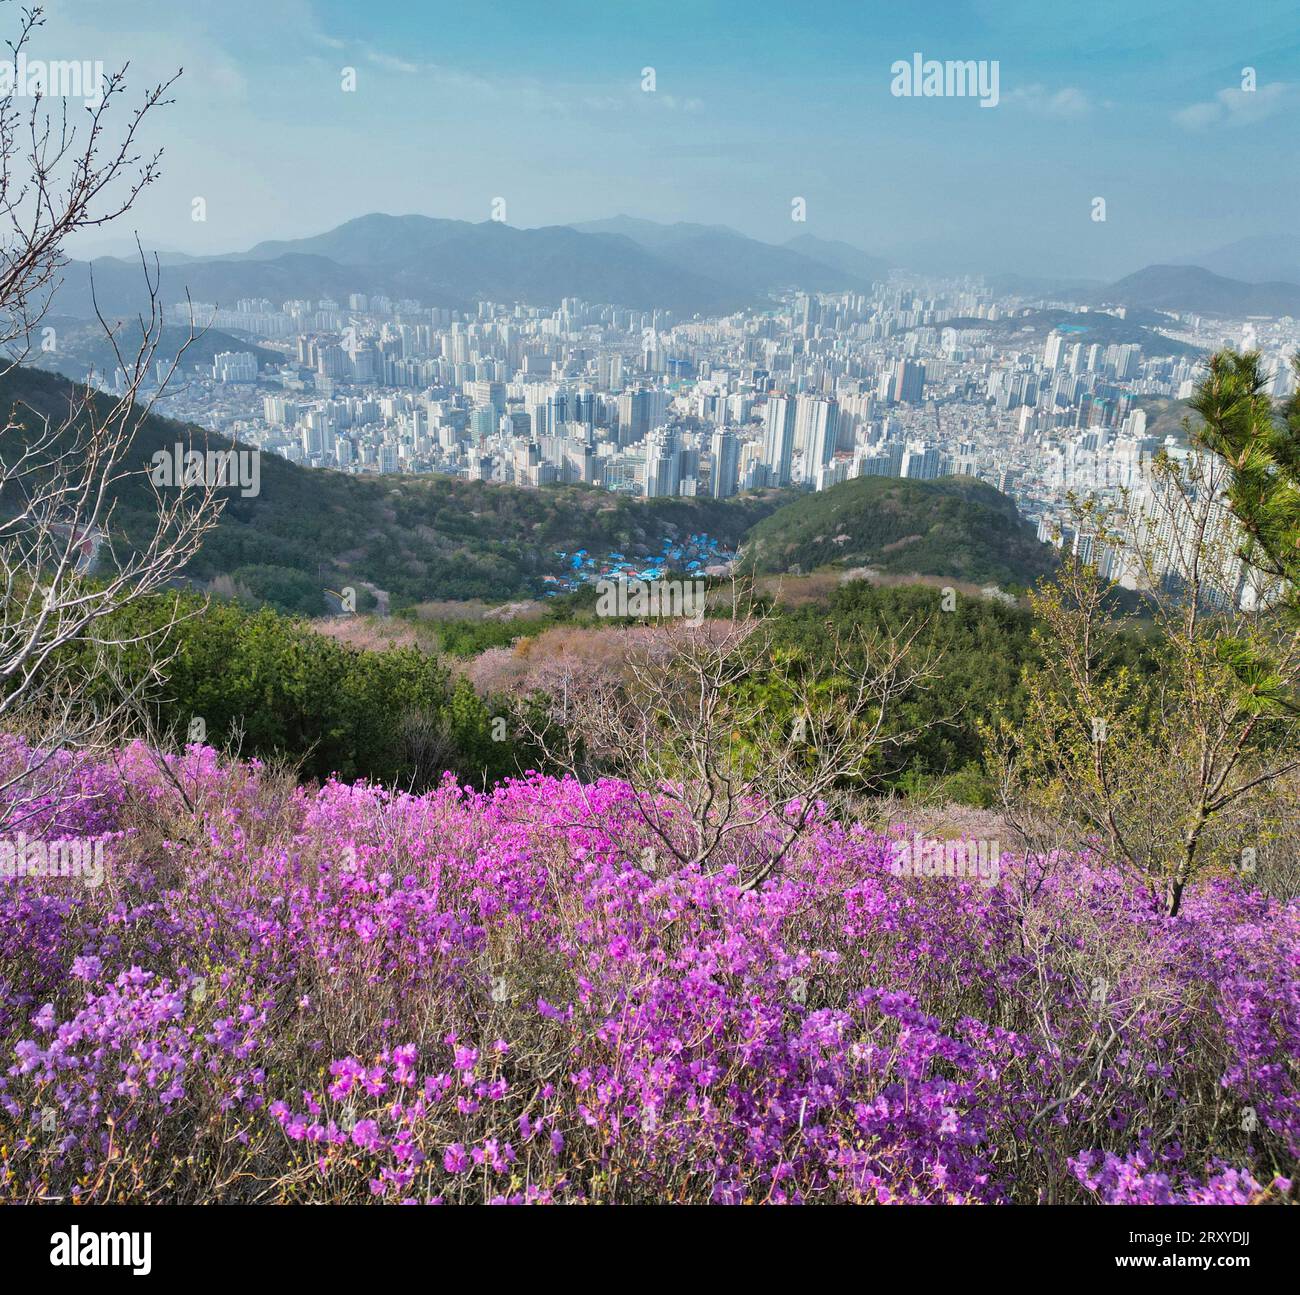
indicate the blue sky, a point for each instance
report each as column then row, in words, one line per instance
column 540, row 103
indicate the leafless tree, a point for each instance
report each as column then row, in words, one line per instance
column 59, row 176
column 723, row 740
column 66, row 573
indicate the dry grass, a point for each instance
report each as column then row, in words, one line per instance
column 375, row 634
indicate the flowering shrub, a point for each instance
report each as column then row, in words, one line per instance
column 281, row 994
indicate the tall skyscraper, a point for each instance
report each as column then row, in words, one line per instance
column 909, row 381
column 585, row 409
column 639, row 412
column 662, row 463
column 809, row 315
column 725, row 448
column 778, row 439
column 921, row 461
column 557, row 412
column 817, row 426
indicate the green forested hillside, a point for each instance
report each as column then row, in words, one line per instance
column 435, row 537
column 419, row 538
column 955, row 527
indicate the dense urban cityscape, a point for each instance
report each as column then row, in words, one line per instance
column 914, row 380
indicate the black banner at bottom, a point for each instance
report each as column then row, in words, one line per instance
column 91, row 1246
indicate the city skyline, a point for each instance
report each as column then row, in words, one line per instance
column 716, row 114
column 810, row 392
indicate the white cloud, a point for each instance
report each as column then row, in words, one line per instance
column 390, row 63
column 635, row 99
column 1236, row 107
column 1069, row 101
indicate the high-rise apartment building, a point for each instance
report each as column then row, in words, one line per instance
column 725, row 450
column 817, row 425
column 909, row 382
column 778, row 439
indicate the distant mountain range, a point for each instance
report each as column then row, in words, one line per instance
column 690, row 269
column 1265, row 258
column 638, row 264
column 1193, row 288
column 752, row 267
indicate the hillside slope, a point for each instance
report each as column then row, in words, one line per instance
column 83, row 347
column 419, row 538
column 435, row 537
column 1032, row 328
column 1191, row 288
column 955, row 527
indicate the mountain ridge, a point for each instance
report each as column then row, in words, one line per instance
column 689, row 269
column 1192, row 288
column 1259, row 258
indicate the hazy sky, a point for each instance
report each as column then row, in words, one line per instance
column 539, row 102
